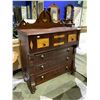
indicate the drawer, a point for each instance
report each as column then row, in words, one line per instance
column 52, row 55
column 58, row 39
column 42, row 43
column 50, row 65
column 49, row 75
column 57, row 36
column 39, row 43
column 72, row 37
column 58, row 43
column 39, row 68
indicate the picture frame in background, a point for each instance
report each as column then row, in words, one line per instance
column 34, row 10
column 54, row 12
column 77, row 16
column 69, row 12
column 40, row 7
column 68, row 17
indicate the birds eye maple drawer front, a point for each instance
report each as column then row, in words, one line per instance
column 72, row 37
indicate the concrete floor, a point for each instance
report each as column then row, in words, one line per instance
column 62, row 87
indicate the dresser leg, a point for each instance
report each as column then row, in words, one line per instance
column 31, row 87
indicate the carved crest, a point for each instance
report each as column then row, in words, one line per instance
column 43, row 21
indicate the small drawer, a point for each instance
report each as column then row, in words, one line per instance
column 59, row 43
column 58, row 39
column 42, row 43
column 72, row 37
column 59, row 36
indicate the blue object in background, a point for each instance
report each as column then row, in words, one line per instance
column 61, row 5
column 23, row 3
column 19, row 3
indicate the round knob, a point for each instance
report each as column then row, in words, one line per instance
column 66, row 67
column 31, row 62
column 42, row 66
column 42, row 56
column 68, row 49
column 67, row 58
column 42, row 77
column 38, row 36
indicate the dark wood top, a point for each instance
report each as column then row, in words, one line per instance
column 46, row 31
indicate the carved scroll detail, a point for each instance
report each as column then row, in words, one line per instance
column 43, row 21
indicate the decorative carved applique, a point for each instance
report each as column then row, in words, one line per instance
column 44, row 20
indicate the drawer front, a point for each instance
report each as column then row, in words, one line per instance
column 39, row 43
column 59, row 43
column 49, row 75
column 51, row 64
column 58, row 39
column 59, row 36
column 40, row 68
column 52, row 55
column 72, row 37
column 42, row 43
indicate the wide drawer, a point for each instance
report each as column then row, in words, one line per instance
column 49, row 75
column 52, row 64
column 51, row 55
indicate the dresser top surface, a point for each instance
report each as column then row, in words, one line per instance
column 46, row 31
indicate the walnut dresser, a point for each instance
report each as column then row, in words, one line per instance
column 47, row 49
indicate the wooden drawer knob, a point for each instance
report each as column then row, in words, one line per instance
column 67, row 58
column 42, row 77
column 38, row 36
column 66, row 67
column 68, row 49
column 42, row 66
column 42, row 56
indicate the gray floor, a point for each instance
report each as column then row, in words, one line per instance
column 62, row 87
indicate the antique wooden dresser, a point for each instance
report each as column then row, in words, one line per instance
column 47, row 49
